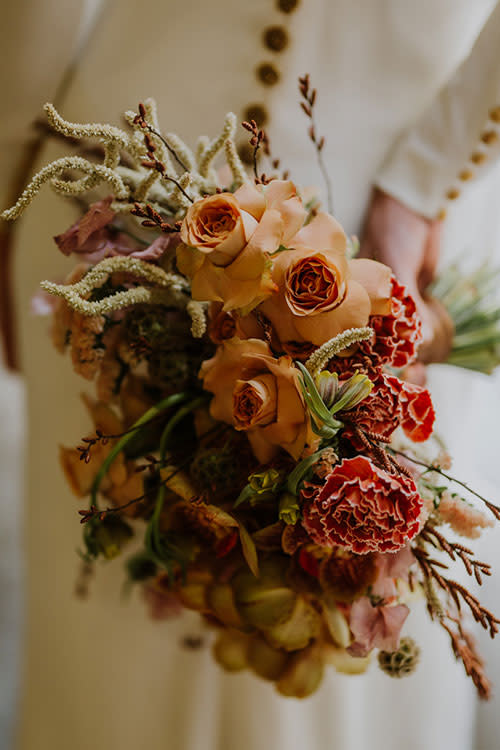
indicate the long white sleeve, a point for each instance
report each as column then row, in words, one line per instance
column 457, row 138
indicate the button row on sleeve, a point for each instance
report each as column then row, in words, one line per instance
column 488, row 137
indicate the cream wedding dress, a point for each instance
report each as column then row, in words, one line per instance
column 100, row 674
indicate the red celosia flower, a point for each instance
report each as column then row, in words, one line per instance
column 417, row 412
column 363, row 508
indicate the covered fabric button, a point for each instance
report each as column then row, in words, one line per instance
column 258, row 113
column 478, row 157
column 495, row 114
column 268, row 74
column 276, row 38
column 489, row 137
column 287, row 6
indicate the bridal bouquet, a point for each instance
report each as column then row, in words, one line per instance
column 251, row 427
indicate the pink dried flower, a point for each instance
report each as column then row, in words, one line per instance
column 462, row 517
column 375, row 626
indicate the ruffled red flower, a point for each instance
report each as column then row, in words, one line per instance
column 380, row 411
column 417, row 412
column 397, row 335
column 363, row 508
column 396, row 338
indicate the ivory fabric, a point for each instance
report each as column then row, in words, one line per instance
column 99, row 674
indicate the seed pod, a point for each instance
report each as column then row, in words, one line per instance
column 266, row 661
column 337, row 625
column 344, row 662
column 265, row 601
column 303, row 674
column 402, row 662
column 298, row 631
column 220, row 598
column 193, row 593
column 230, row 650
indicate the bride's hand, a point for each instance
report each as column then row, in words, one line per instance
column 409, row 243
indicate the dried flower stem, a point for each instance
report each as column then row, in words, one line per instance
column 453, row 550
column 456, row 591
column 430, row 467
column 308, row 101
column 464, row 649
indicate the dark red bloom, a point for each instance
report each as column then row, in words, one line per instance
column 417, row 412
column 380, row 411
column 363, row 508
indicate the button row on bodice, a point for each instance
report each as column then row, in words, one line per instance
column 276, row 39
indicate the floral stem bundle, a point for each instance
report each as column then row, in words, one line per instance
column 248, row 425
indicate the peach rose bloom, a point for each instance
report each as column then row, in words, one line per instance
column 259, row 394
column 228, row 239
column 320, row 292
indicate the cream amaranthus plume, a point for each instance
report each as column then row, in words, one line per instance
column 318, row 359
column 124, row 168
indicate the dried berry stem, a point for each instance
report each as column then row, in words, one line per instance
column 308, row 101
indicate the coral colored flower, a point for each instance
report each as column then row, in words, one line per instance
column 320, row 292
column 398, row 334
column 229, row 238
column 259, row 394
column 417, row 412
column 375, row 626
column 364, row 509
column 462, row 517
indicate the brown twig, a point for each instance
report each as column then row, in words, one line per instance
column 153, row 162
column 140, row 119
column 458, row 593
column 258, row 138
column 307, row 103
column 153, row 219
column 453, row 550
column 464, row 648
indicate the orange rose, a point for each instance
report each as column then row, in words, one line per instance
column 320, row 292
column 228, row 238
column 259, row 394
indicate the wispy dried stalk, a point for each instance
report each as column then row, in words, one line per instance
column 307, row 103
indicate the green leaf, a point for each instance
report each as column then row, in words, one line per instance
column 301, row 470
column 249, row 550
